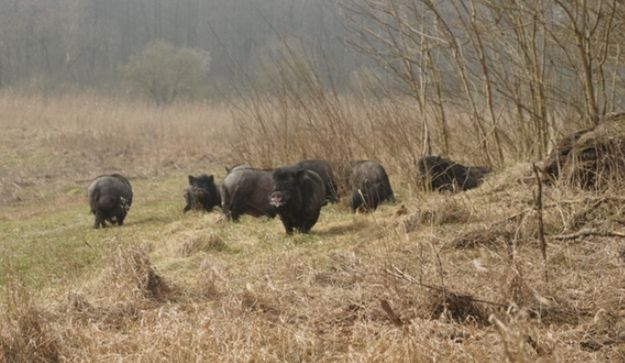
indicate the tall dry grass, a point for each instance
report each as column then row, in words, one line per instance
column 306, row 115
column 47, row 141
column 52, row 140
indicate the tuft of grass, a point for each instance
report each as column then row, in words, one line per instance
column 26, row 333
column 202, row 241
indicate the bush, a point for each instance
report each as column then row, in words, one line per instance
column 163, row 72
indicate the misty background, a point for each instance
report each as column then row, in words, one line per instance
column 46, row 44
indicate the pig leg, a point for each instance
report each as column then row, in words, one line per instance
column 288, row 226
column 236, row 209
column 309, row 223
column 234, row 215
column 99, row 220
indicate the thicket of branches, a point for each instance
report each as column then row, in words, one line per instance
column 521, row 70
column 489, row 81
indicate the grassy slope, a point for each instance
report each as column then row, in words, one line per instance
column 246, row 291
column 54, row 247
column 323, row 276
column 57, row 245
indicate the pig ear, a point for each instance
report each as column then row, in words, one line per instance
column 191, row 179
column 301, row 173
column 211, row 178
column 227, row 169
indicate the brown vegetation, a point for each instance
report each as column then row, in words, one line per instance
column 377, row 287
column 47, row 143
column 593, row 158
column 516, row 270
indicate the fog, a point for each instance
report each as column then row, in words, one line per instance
column 85, row 42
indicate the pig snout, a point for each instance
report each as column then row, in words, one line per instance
column 277, row 199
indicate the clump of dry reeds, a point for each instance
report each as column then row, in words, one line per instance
column 26, row 332
column 592, row 158
column 132, row 271
column 202, row 241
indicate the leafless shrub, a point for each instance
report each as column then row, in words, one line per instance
column 510, row 65
column 309, row 118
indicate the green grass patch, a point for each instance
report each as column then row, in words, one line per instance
column 49, row 249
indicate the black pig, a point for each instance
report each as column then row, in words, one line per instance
column 324, row 170
column 369, row 186
column 298, row 195
column 442, row 174
column 201, row 193
column 110, row 198
column 246, row 191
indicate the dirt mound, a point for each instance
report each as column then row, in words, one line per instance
column 591, row 158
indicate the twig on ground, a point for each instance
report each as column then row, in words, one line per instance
column 390, row 313
column 402, row 275
column 539, row 209
column 589, row 232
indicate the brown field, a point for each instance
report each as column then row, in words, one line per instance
column 434, row 277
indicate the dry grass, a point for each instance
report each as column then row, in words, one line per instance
column 379, row 287
column 48, row 144
column 390, row 130
column 201, row 241
column 590, row 158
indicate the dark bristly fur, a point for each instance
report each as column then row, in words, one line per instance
column 442, row 174
column 246, row 191
column 324, row 170
column 110, row 198
column 201, row 193
column 369, row 185
column 298, row 194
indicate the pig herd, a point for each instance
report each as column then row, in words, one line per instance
column 295, row 193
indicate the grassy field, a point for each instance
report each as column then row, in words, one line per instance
column 433, row 277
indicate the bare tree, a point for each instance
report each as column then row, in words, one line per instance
column 506, row 62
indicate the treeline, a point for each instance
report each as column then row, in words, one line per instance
column 84, row 42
